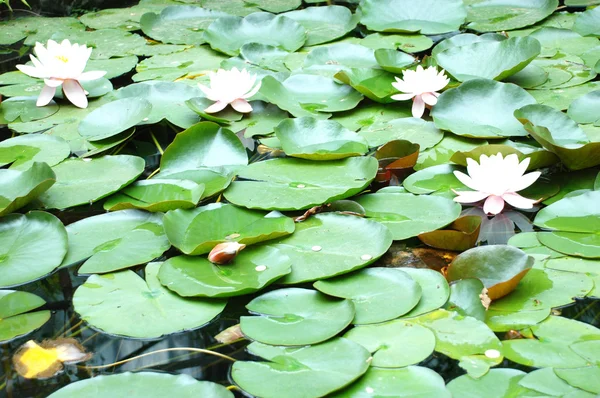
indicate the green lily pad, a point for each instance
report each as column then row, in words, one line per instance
column 114, row 67
column 588, row 23
column 328, row 60
column 20, row 187
column 417, row 131
column 113, row 241
column 264, row 56
column 179, row 24
column 123, row 304
column 558, row 133
column 538, row 157
column 295, row 184
column 250, row 271
column 546, row 381
column 156, row 196
column 369, row 113
column 553, row 346
column 228, row 34
column 324, row 23
column 392, row 60
column 585, row 109
column 564, row 70
column 433, row 179
column 167, row 99
column 408, row 215
column 434, row 288
column 187, row 229
column 16, row 320
column 18, row 232
column 407, row 42
column 85, row 181
column 294, row 316
column 481, row 108
column 24, row 109
column 226, row 116
column 309, row 95
column 581, row 266
column 394, row 344
column 497, row 383
column 498, row 15
column 316, row 242
column 375, row 84
column 441, row 153
column 499, row 267
column 261, row 121
column 412, row 381
column 143, row 385
column 495, row 60
column 114, row 118
column 529, row 77
column 309, row 138
column 371, row 289
column 298, row 372
column 106, row 43
column 275, row 6
column 585, row 378
column 555, row 40
column 464, row 298
column 34, row 29
column 427, row 17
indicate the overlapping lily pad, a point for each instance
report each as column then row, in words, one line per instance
column 113, row 241
column 586, row 108
column 324, row 23
column 498, row 15
column 124, row 304
column 18, row 232
column 417, row 131
column 16, row 318
column 20, row 187
column 22, row 151
column 197, row 231
column 114, row 118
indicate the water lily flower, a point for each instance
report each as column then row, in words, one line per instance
column 230, row 87
column 497, row 180
column 422, row 85
column 225, row 252
column 61, row 64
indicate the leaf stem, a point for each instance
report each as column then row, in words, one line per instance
column 156, row 143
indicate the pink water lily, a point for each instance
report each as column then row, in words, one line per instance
column 497, row 180
column 230, row 87
column 61, row 65
column 422, row 86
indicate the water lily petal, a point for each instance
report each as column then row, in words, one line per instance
column 518, row 201
column 469, row 196
column 91, row 75
column 207, row 91
column 31, row 71
column 465, row 179
column 493, row 204
column 216, row 107
column 254, row 90
column 53, row 82
column 241, row 105
column 525, row 181
column 46, row 95
column 402, row 97
column 429, row 99
column 418, row 107
column 75, row 93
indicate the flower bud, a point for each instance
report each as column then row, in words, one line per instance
column 224, row 253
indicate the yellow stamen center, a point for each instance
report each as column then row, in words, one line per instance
column 62, row 58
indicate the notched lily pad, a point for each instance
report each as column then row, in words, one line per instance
column 17, row 317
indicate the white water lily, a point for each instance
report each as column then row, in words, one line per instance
column 422, row 85
column 497, row 180
column 230, row 87
column 61, row 64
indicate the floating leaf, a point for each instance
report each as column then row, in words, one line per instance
column 538, row 157
column 498, row 15
column 85, row 181
column 497, row 383
column 21, row 187
column 123, row 304
column 301, row 371
column 187, row 229
column 296, row 184
column 408, row 215
column 24, row 109
column 22, row 151
column 309, row 138
column 434, row 288
column 417, row 131
column 585, row 109
column 427, row 17
column 481, row 108
column 324, row 23
column 16, row 318
column 466, row 298
column 228, row 34
column 18, row 232
column 546, row 381
column 114, row 118
column 461, row 235
column 106, row 43
column 588, row 22
column 585, row 378
column 113, row 241
column 296, row 317
column 371, row 289
column 394, row 344
column 328, row 60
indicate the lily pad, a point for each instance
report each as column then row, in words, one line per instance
column 124, row 304
column 113, row 241
column 316, row 242
column 85, row 181
column 21, row 187
column 497, row 383
column 309, row 138
column 394, row 344
column 296, row 317
column 588, row 23
column 275, row 6
column 18, row 232
column 586, row 108
column 434, row 288
column 324, row 23
column 228, row 34
column 546, row 381
column 187, row 229
column 114, row 67
column 328, row 60
column 499, row 267
column 16, row 320
column 251, row 270
column 156, row 196
column 495, row 60
column 298, row 372
column 465, row 298
column 538, row 157
column 481, row 108
column 427, row 17
column 375, row 84
column 295, row 184
column 585, row 378
column 498, row 15
column 114, row 118
column 461, row 235
column 106, row 43
column 24, row 109
column 309, row 95
column 371, row 289
column 408, row 215
column 22, row 151
column 581, row 266
column 143, row 385
column 415, row 130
